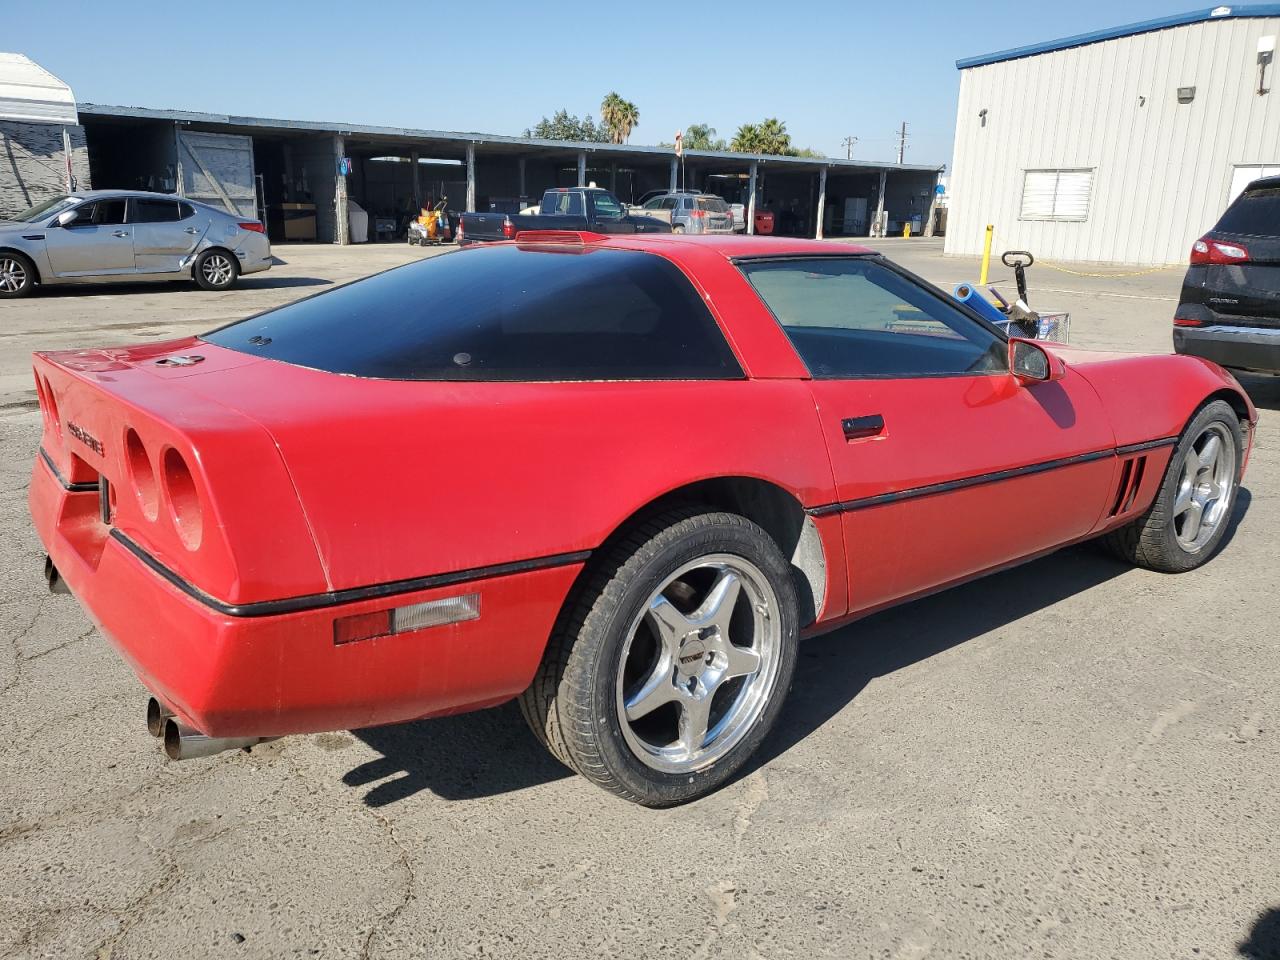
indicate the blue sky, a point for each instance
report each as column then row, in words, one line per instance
column 828, row 69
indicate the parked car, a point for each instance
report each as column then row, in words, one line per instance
column 617, row 478
column 1230, row 303
column 564, row 208
column 693, row 212
column 104, row 236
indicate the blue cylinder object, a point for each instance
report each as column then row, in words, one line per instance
column 967, row 293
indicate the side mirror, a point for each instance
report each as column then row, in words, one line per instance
column 66, row 218
column 1032, row 363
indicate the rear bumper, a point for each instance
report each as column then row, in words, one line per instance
column 1240, row 348
column 271, row 675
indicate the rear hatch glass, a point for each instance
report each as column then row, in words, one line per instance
column 1255, row 213
column 713, row 204
column 501, row 313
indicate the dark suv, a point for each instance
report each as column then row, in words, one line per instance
column 1230, row 304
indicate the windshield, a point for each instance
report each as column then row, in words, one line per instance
column 607, row 206
column 46, row 209
column 503, row 313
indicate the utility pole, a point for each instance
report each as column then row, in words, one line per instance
column 848, row 146
column 902, row 141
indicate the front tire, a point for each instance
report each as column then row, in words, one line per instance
column 216, row 270
column 17, row 276
column 1184, row 526
column 671, row 661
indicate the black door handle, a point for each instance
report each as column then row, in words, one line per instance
column 858, row 428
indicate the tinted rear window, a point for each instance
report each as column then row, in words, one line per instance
column 502, row 313
column 714, row 204
column 1255, row 212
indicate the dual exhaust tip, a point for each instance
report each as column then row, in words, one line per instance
column 186, row 743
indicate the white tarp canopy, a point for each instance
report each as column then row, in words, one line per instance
column 30, row 93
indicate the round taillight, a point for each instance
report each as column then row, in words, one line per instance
column 184, row 499
column 142, row 474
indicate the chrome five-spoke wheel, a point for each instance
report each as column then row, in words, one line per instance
column 699, row 664
column 1204, row 487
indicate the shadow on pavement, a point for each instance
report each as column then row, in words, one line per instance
column 493, row 752
column 464, row 757
column 1264, row 937
column 251, row 282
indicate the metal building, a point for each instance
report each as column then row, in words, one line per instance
column 1120, row 146
column 42, row 145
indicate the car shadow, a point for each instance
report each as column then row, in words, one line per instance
column 492, row 752
column 1264, row 391
column 1264, row 937
column 170, row 287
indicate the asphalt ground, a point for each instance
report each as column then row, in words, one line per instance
column 1072, row 759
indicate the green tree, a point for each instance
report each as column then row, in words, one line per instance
column 701, row 136
column 565, row 126
column 618, row 117
column 769, row 136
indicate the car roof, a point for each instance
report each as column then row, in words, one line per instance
column 145, row 194
column 1265, row 183
column 739, row 245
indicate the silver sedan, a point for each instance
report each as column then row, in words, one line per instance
column 102, row 236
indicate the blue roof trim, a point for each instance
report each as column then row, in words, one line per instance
column 1146, row 26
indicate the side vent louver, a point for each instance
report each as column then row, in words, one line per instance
column 1130, row 481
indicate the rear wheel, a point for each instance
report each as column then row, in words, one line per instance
column 216, row 270
column 1184, row 526
column 17, row 275
column 677, row 229
column 670, row 665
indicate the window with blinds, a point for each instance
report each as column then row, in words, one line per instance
column 1056, row 194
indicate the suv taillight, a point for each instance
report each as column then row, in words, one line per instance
column 1205, row 250
column 697, row 214
column 508, row 228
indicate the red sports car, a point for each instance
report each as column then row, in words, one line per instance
column 615, row 477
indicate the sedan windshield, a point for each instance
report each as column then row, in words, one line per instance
column 46, row 209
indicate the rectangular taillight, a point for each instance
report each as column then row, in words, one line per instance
column 508, row 228
column 252, row 225
column 1205, row 250
column 406, row 619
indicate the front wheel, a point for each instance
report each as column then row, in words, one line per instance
column 216, row 270
column 671, row 663
column 1184, row 526
column 17, row 275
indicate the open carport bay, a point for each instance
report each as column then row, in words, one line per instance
column 1070, row 759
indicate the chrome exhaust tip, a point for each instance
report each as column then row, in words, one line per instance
column 183, row 743
column 157, row 714
column 53, row 578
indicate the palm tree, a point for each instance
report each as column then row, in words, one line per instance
column 619, row 116
column 747, row 139
column 701, row 136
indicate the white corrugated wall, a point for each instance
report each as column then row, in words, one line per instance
column 1162, row 169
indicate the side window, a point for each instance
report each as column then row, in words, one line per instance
column 686, row 203
column 854, row 317
column 654, row 204
column 607, row 207
column 84, row 215
column 109, row 213
column 565, row 204
column 669, row 203
column 186, row 210
column 155, row 211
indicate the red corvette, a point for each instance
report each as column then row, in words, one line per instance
column 617, row 478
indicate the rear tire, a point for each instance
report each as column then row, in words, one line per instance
column 216, row 269
column 1184, row 526
column 671, row 660
column 677, row 229
column 17, row 275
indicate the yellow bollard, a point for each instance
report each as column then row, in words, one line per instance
column 906, row 229
column 986, row 256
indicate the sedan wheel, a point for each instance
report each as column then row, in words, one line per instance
column 17, row 276
column 671, row 660
column 216, row 270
